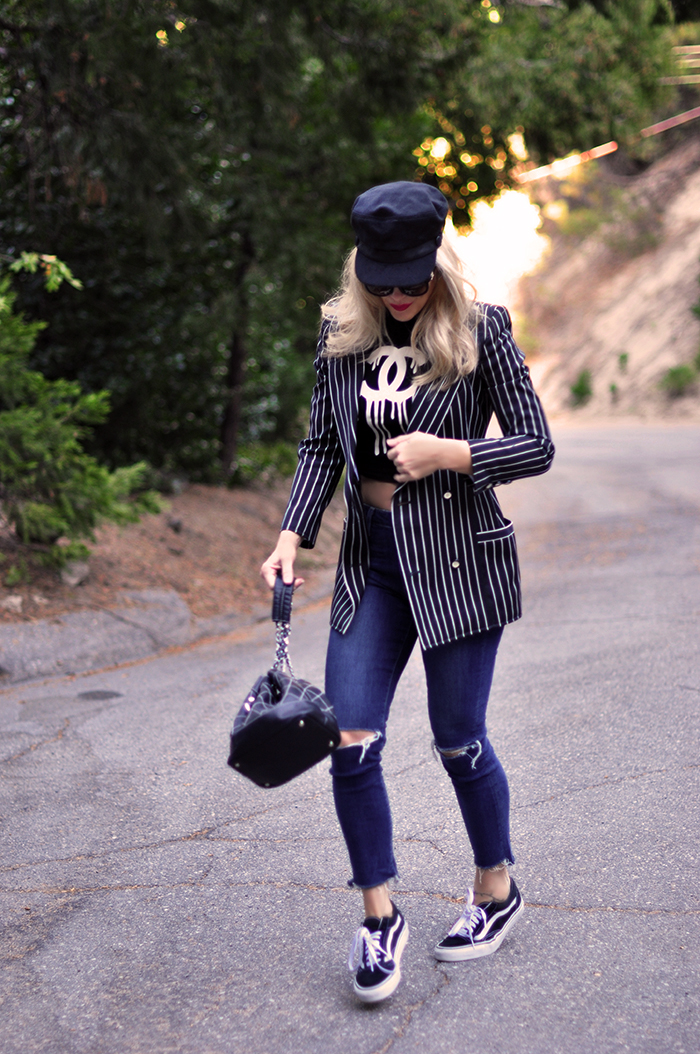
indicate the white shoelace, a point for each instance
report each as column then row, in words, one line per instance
column 366, row 949
column 470, row 918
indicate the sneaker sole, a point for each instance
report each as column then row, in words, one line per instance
column 382, row 991
column 478, row 951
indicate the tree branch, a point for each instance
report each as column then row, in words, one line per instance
column 12, row 28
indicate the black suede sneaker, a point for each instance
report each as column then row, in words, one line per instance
column 375, row 956
column 480, row 930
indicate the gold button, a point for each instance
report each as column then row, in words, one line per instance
column 455, row 563
column 447, row 495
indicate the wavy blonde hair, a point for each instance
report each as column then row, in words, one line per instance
column 444, row 330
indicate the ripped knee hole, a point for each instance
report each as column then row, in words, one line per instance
column 472, row 750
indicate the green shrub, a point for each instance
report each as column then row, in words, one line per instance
column 579, row 223
column 16, row 574
column 264, row 462
column 627, row 222
column 582, row 389
column 50, row 489
column 634, row 228
column 622, row 361
column 679, row 380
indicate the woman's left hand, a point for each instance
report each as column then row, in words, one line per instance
column 419, row 454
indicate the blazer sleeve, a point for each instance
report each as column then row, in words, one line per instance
column 526, row 447
column 321, row 458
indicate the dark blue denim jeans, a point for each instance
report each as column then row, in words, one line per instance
column 363, row 667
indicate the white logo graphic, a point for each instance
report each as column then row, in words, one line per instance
column 394, row 386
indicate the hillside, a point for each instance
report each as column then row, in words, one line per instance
column 618, row 303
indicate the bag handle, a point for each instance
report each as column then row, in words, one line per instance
column 282, row 600
column 281, row 615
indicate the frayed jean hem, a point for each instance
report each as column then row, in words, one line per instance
column 388, row 882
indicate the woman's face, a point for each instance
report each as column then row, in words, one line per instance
column 404, row 308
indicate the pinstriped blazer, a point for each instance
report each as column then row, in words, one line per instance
column 457, row 551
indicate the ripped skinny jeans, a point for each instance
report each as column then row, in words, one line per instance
column 363, row 667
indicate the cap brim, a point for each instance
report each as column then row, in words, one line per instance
column 411, row 272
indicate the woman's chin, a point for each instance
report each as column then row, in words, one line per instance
column 405, row 310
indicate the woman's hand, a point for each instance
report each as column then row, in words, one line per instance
column 419, row 454
column 282, row 559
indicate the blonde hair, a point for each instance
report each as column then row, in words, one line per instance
column 444, row 330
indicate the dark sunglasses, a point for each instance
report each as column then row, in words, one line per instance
column 407, row 290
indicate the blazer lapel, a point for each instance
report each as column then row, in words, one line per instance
column 429, row 407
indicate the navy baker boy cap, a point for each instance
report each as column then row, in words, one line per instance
column 398, row 229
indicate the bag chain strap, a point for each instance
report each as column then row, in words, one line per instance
column 282, row 660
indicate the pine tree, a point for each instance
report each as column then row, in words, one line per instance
column 50, row 488
column 197, row 163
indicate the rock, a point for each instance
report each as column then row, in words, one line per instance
column 75, row 573
column 175, row 524
column 12, row 603
column 91, row 639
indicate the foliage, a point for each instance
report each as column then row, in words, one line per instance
column 685, row 32
column 263, row 462
column 682, row 379
column 629, row 220
column 198, row 165
column 550, row 79
column 581, row 222
column 16, row 574
column 634, row 227
column 56, row 272
column 582, row 389
column 50, row 489
column 679, row 380
column 196, row 161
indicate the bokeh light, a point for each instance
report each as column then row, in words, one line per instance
column 440, row 148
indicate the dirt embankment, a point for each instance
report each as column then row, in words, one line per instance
column 619, row 303
column 207, row 546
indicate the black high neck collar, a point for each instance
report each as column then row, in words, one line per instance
column 399, row 332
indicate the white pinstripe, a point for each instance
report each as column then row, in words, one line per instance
column 431, row 531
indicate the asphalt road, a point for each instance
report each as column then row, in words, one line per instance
column 153, row 901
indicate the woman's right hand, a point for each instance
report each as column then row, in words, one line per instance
column 282, row 559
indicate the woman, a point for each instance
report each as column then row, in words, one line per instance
column 410, row 370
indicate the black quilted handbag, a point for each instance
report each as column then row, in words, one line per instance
column 285, row 724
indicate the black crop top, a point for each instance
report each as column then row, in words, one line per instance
column 385, row 399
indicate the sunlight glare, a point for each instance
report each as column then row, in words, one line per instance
column 504, row 245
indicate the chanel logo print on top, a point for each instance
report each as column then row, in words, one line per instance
column 387, row 388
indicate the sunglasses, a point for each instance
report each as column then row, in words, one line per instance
column 407, row 290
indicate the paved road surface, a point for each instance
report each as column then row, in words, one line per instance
column 152, row 901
